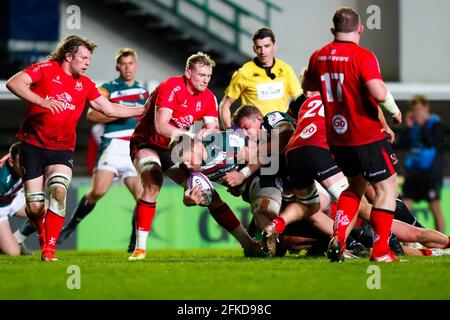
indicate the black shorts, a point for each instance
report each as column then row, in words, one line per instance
column 420, row 188
column 375, row 161
column 163, row 154
column 33, row 160
column 309, row 163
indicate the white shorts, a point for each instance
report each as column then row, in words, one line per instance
column 115, row 157
column 11, row 209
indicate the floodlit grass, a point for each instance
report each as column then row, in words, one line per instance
column 218, row 274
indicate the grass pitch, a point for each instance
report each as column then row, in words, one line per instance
column 218, row 274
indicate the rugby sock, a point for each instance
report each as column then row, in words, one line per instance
column 402, row 213
column 39, row 223
column 425, row 252
column 145, row 211
column 280, row 224
column 82, row 210
column 381, row 221
column 347, row 209
column 132, row 243
column 225, row 217
column 24, row 231
column 53, row 226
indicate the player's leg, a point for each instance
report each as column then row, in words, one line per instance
column 58, row 178
column 101, row 182
column 225, row 217
column 435, row 207
column 32, row 159
column 133, row 183
column 426, row 237
column 148, row 164
column 8, row 244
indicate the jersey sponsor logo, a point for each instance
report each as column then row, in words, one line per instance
column 172, row 94
column 79, row 86
column 198, row 107
column 269, row 91
column 42, row 65
column 340, row 124
column 255, row 75
column 374, row 174
column 274, row 118
column 65, row 98
column 184, row 122
column 308, row 131
column 394, row 159
column 57, row 80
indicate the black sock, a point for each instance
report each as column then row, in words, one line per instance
column 132, row 243
column 82, row 210
column 27, row 228
column 402, row 213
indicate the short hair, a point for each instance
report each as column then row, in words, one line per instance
column 263, row 33
column 70, row 44
column 346, row 20
column 125, row 52
column 246, row 111
column 200, row 58
column 419, row 99
column 14, row 150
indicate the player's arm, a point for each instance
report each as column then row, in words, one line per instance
column 98, row 117
column 377, row 89
column 390, row 135
column 19, row 84
column 116, row 110
column 163, row 126
column 225, row 111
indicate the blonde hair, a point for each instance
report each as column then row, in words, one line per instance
column 70, row 44
column 125, row 52
column 200, row 58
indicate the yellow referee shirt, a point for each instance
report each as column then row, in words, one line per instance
column 255, row 87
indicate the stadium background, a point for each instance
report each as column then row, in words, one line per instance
column 412, row 45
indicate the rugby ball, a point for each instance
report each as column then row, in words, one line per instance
column 197, row 178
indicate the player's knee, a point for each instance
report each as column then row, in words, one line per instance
column 96, row 194
column 57, row 185
column 13, row 251
column 149, row 163
column 35, row 203
column 336, row 188
column 269, row 207
column 309, row 197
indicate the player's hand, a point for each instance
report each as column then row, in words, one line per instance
column 4, row 159
column 53, row 105
column 234, row 178
column 194, row 196
column 390, row 135
column 397, row 119
column 204, row 132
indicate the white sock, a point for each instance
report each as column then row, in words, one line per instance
column 141, row 239
column 19, row 236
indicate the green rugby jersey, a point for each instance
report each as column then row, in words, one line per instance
column 119, row 92
column 10, row 185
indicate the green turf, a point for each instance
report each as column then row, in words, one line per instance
column 218, row 274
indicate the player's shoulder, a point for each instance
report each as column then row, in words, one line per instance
column 44, row 66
